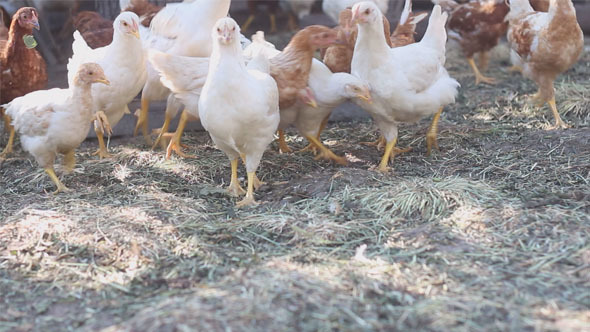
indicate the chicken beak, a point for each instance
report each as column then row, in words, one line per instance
column 35, row 24
column 103, row 81
column 366, row 97
column 313, row 103
column 136, row 34
column 355, row 19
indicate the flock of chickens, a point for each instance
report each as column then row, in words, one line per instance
column 192, row 55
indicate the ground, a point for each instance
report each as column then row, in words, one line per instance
column 491, row 233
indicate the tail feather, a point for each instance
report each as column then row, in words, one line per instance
column 406, row 12
column 436, row 35
column 446, row 5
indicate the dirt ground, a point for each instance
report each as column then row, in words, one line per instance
column 491, row 233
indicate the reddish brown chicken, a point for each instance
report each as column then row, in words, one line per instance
column 23, row 68
column 405, row 31
column 291, row 68
column 97, row 31
column 477, row 26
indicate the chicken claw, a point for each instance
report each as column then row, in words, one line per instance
column 249, row 199
column 102, row 151
column 431, row 136
column 234, row 188
column 326, row 153
column 390, row 152
column 559, row 124
column 283, row 147
column 479, row 77
column 379, row 143
column 55, row 179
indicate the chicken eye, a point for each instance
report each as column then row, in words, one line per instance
column 368, row 11
column 90, row 73
column 125, row 23
column 218, row 29
column 233, row 29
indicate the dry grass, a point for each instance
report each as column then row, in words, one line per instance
column 491, row 233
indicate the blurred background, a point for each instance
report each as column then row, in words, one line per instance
column 56, row 18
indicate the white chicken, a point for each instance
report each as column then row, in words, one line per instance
column 57, row 120
column 329, row 89
column 407, row 83
column 178, row 29
column 332, row 8
column 239, row 104
column 123, row 61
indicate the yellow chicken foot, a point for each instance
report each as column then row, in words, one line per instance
column 103, row 122
column 484, row 60
column 55, row 179
column 257, row 182
column 559, row 124
column 174, row 144
column 326, row 153
column 514, row 69
column 283, row 147
column 163, row 132
column 8, row 149
column 379, row 143
column 142, row 121
column 69, row 161
column 479, row 77
column 102, row 152
column 431, row 136
column 234, row 188
column 311, row 147
column 249, row 199
column 390, row 152
column 6, row 119
column 273, row 23
column 249, row 21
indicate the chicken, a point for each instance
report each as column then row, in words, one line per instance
column 57, row 120
column 405, row 31
column 143, row 8
column 477, row 27
column 338, row 57
column 329, row 90
column 124, row 62
column 96, row 30
column 239, row 105
column 407, row 83
column 333, row 8
column 545, row 45
column 297, row 10
column 23, row 70
column 290, row 69
column 540, row 5
column 178, row 29
column 271, row 7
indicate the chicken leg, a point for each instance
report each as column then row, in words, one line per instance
column 431, row 136
column 379, row 143
column 163, row 132
column 55, row 179
column 283, row 147
column 479, row 77
column 102, row 151
column 8, row 149
column 484, row 60
column 234, row 188
column 257, row 182
column 390, row 152
column 174, row 144
column 142, row 121
column 69, row 161
column 311, row 147
column 249, row 199
column 559, row 124
column 326, row 153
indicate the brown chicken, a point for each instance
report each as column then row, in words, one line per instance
column 144, row 9
column 405, row 31
column 477, row 26
column 545, row 45
column 540, row 5
column 290, row 69
column 23, row 68
column 272, row 7
column 96, row 30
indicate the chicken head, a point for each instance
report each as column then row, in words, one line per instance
column 365, row 12
column 89, row 73
column 127, row 23
column 226, row 31
column 28, row 18
column 358, row 90
column 321, row 37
